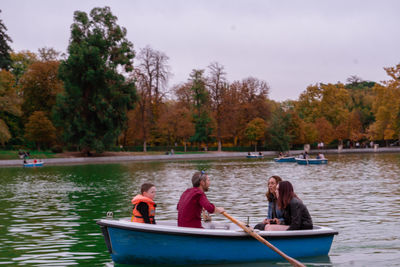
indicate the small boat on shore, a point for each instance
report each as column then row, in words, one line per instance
column 285, row 159
column 33, row 163
column 311, row 161
column 166, row 243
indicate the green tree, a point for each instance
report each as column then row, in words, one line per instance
column 21, row 62
column 40, row 130
column 255, row 130
column 97, row 96
column 202, row 119
column 5, row 49
column 278, row 130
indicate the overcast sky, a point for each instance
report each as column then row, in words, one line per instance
column 288, row 44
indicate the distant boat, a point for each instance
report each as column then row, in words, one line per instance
column 224, row 243
column 285, row 159
column 252, row 156
column 311, row 161
column 33, row 163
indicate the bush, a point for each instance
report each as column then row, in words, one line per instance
column 57, row 149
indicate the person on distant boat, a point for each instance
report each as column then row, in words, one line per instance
column 320, row 156
column 144, row 207
column 193, row 200
column 274, row 213
column 281, row 154
column 295, row 213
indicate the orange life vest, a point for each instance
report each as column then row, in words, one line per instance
column 136, row 215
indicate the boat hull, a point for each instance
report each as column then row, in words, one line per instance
column 30, row 165
column 285, row 159
column 129, row 245
column 255, row 156
column 311, row 161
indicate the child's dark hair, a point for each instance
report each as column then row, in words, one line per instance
column 145, row 187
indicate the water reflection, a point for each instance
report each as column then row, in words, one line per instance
column 48, row 214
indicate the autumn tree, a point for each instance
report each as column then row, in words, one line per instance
column 231, row 125
column 249, row 100
column 40, row 129
column 386, row 107
column 176, row 124
column 151, row 75
column 217, row 85
column 97, row 95
column 10, row 106
column 255, row 130
column 310, row 133
column 5, row 49
column 326, row 132
column 40, row 86
column 21, row 62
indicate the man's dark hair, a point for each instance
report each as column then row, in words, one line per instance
column 198, row 177
column 145, row 187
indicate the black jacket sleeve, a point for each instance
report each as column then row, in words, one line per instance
column 143, row 208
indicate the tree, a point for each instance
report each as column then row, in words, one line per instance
column 40, row 86
column 255, row 130
column 176, row 123
column 5, row 49
column 10, row 105
column 326, row 132
column 246, row 100
column 21, row 62
column 386, row 107
column 97, row 96
column 278, row 130
column 201, row 101
column 40, row 130
column 151, row 75
column 217, row 85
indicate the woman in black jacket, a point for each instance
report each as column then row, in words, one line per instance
column 295, row 213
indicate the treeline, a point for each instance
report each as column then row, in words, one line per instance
column 102, row 94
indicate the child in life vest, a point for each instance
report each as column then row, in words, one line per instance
column 144, row 207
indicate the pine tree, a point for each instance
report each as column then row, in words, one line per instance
column 97, row 96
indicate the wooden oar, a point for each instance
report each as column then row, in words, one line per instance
column 262, row 240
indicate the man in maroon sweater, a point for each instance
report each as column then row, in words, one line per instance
column 193, row 200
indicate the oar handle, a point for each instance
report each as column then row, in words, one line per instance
column 250, row 231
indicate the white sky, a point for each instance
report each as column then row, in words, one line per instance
column 288, row 44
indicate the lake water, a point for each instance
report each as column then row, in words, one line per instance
column 48, row 215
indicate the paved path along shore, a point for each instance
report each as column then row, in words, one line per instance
column 199, row 156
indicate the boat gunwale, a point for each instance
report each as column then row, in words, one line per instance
column 214, row 233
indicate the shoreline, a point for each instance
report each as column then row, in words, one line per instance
column 202, row 156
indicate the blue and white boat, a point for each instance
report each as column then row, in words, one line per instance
column 311, row 161
column 166, row 243
column 30, row 164
column 285, row 159
column 254, row 156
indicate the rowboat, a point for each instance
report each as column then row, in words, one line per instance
column 285, row 159
column 33, row 164
column 166, row 243
column 311, row 161
column 255, row 156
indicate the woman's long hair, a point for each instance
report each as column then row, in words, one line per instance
column 270, row 196
column 286, row 193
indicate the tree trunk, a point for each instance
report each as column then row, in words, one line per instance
column 219, row 146
column 184, row 143
column 144, row 146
